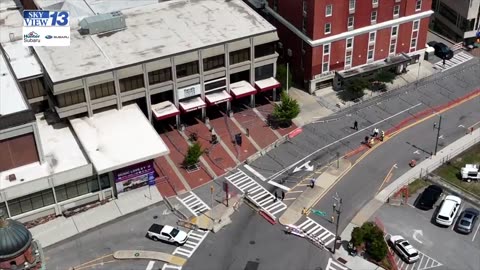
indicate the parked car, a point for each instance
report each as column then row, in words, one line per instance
column 168, row 234
column 448, row 210
column 441, row 50
column 406, row 251
column 466, row 221
column 429, row 197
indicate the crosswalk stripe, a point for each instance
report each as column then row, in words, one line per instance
column 333, row 265
column 304, row 223
column 170, row 266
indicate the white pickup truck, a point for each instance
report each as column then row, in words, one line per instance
column 168, row 234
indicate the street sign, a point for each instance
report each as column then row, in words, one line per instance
column 319, row 213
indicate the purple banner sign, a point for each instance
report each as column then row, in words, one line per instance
column 133, row 171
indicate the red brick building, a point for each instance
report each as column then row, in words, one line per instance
column 319, row 37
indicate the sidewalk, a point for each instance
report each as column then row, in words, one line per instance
column 373, row 205
column 217, row 217
column 311, row 196
column 62, row 228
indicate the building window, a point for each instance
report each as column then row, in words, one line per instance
column 214, row 62
column 81, row 187
column 351, row 4
column 416, row 25
column 33, row 88
column 325, row 67
column 70, row 98
column 374, row 2
column 349, row 43
column 131, row 83
column 328, row 10
column 187, row 69
column 215, row 85
column 275, row 5
column 348, row 59
column 264, row 72
column 328, row 28
column 418, row 5
column 394, row 31
column 396, row 11
column 373, row 16
column 413, row 45
column 304, row 7
column 240, row 56
column 159, row 76
column 393, row 44
column 264, row 49
column 102, row 90
column 31, row 202
column 326, row 48
column 350, row 21
column 370, row 53
column 371, row 37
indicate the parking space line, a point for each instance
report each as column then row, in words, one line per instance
column 150, row 265
column 456, row 218
column 420, row 264
column 475, row 234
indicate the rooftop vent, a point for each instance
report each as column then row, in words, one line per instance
column 102, row 23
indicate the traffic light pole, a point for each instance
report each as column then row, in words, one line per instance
column 337, row 207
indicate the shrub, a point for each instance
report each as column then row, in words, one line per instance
column 357, row 236
column 377, row 249
column 354, row 88
column 284, row 112
column 193, row 154
column 372, row 236
column 385, row 76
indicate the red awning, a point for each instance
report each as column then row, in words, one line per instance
column 188, row 105
column 164, row 110
column 267, row 84
column 242, row 89
column 217, row 97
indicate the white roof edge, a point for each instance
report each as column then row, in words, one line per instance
column 133, row 162
column 344, row 35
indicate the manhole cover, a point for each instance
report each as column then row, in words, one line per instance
column 252, row 265
column 155, row 217
column 252, row 242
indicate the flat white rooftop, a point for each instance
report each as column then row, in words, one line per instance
column 22, row 59
column 11, row 21
column 154, row 31
column 118, row 138
column 11, row 99
column 61, row 150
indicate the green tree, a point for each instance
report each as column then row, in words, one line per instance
column 284, row 112
column 377, row 249
column 357, row 236
column 282, row 76
column 193, row 154
column 354, row 88
column 385, row 76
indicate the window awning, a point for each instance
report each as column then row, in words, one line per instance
column 242, row 89
column 267, row 84
column 217, row 97
column 192, row 104
column 164, row 110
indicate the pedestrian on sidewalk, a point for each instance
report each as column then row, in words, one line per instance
column 443, row 61
column 366, row 139
column 355, row 125
column 312, row 183
column 283, row 195
column 434, row 125
column 276, row 196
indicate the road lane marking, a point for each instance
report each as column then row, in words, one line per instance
column 337, row 141
column 257, row 174
column 150, row 265
column 387, row 177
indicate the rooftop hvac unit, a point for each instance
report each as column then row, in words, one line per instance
column 102, row 23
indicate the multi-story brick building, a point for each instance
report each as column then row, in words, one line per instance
column 319, row 37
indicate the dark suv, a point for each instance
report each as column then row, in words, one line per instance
column 429, row 197
column 441, row 50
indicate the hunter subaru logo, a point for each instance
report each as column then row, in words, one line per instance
column 46, row 28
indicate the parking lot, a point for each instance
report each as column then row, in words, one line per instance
column 439, row 247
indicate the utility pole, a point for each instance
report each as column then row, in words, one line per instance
column 438, row 134
column 287, row 78
column 337, row 208
column 211, row 191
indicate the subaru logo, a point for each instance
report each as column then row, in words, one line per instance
column 48, row 36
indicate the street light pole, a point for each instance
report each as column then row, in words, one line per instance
column 337, row 207
column 287, row 78
column 438, row 134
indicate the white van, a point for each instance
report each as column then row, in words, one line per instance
column 448, row 210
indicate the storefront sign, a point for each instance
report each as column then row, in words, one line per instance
column 133, row 171
column 189, row 91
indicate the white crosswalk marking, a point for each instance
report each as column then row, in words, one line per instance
column 195, row 239
column 334, row 265
column 256, row 193
column 457, row 59
column 311, row 227
column 193, row 203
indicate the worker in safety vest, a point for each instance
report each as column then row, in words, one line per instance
column 382, row 135
column 372, row 141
